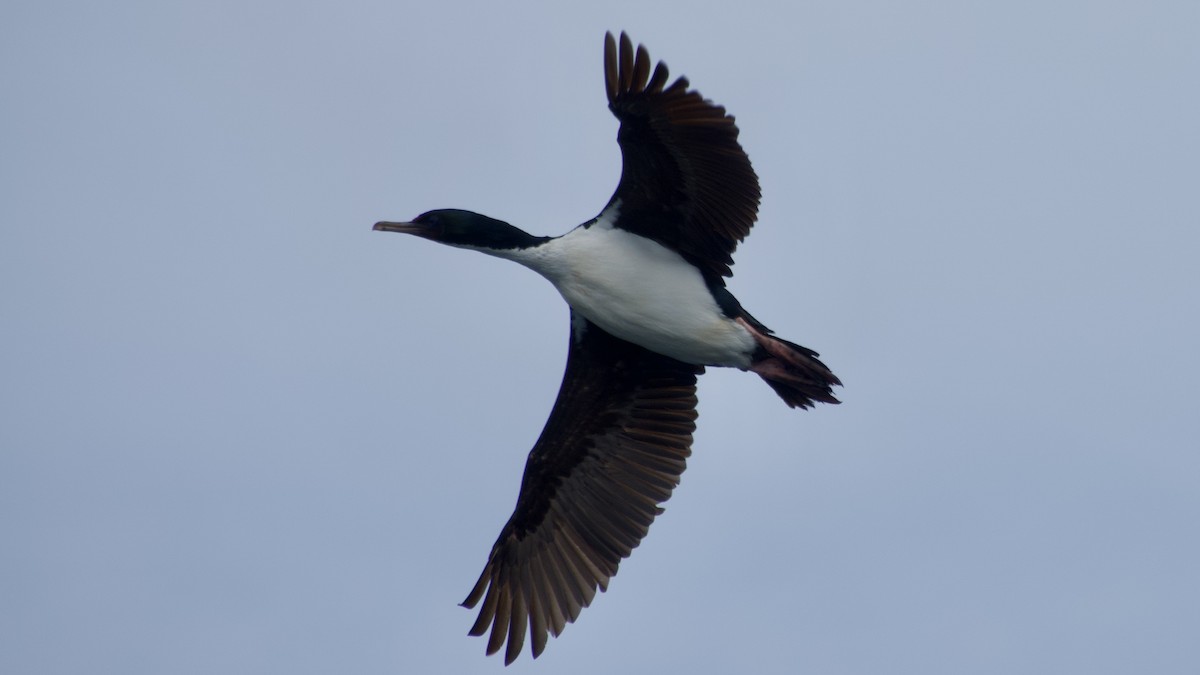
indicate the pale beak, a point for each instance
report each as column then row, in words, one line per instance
column 407, row 228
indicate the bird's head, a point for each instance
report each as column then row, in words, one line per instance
column 467, row 229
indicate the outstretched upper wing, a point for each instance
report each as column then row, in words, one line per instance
column 685, row 180
column 611, row 452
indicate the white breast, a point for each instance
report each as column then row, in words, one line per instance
column 640, row 291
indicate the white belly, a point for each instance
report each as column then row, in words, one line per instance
column 642, row 292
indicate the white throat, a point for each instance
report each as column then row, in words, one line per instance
column 639, row 291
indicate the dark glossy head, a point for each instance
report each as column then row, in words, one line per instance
column 456, row 227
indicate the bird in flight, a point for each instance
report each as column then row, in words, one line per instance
column 645, row 282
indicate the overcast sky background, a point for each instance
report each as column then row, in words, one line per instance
column 242, row 433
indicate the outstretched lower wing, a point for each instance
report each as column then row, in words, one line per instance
column 613, row 449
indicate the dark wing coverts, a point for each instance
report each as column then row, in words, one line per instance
column 685, row 180
column 611, row 452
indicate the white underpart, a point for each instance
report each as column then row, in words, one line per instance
column 639, row 291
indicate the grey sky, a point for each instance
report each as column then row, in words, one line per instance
column 242, row 433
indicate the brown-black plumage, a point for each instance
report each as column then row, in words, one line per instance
column 620, row 431
column 613, row 449
column 685, row 181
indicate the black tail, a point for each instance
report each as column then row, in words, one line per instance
column 794, row 372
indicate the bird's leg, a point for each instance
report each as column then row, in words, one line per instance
column 794, row 372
